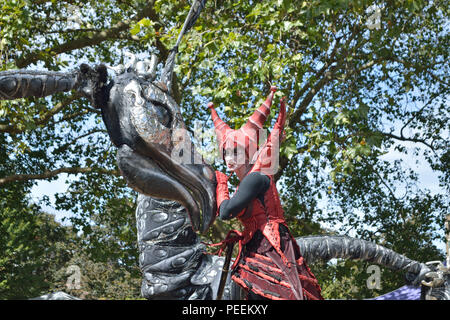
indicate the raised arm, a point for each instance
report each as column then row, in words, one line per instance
column 252, row 186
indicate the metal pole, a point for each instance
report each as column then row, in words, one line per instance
column 447, row 231
column 225, row 268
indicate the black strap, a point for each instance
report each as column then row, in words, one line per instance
column 194, row 13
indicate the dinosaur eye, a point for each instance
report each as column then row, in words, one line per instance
column 162, row 113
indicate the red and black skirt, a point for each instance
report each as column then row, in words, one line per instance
column 263, row 273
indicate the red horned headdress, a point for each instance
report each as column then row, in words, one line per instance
column 247, row 136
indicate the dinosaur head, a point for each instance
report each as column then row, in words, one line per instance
column 436, row 282
column 155, row 151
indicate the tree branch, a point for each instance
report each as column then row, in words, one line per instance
column 383, row 181
column 327, row 77
column 402, row 138
column 71, row 142
column 11, row 129
column 91, row 39
column 432, row 97
column 326, row 73
column 319, row 73
column 53, row 173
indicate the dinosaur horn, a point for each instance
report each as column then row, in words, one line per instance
column 132, row 62
column 151, row 68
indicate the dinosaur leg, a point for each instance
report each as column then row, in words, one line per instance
column 173, row 261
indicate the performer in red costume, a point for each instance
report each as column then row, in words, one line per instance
column 269, row 264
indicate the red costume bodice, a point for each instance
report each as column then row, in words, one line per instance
column 265, row 217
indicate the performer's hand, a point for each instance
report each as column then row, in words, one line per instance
column 283, row 136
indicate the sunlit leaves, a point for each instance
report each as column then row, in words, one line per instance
column 353, row 93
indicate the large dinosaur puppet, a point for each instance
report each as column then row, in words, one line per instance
column 176, row 187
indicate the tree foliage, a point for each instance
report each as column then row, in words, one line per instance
column 357, row 89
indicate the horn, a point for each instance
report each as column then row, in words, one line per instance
column 15, row 84
column 151, row 67
column 167, row 73
column 131, row 65
column 220, row 126
column 194, row 12
column 257, row 119
column 141, row 68
column 119, row 69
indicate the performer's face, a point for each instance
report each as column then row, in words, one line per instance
column 235, row 157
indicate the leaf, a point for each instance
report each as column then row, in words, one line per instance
column 297, row 57
column 287, row 25
column 146, row 22
column 135, row 29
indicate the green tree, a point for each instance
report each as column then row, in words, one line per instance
column 97, row 280
column 33, row 248
column 40, row 255
column 356, row 90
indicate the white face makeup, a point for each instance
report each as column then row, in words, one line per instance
column 235, row 158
